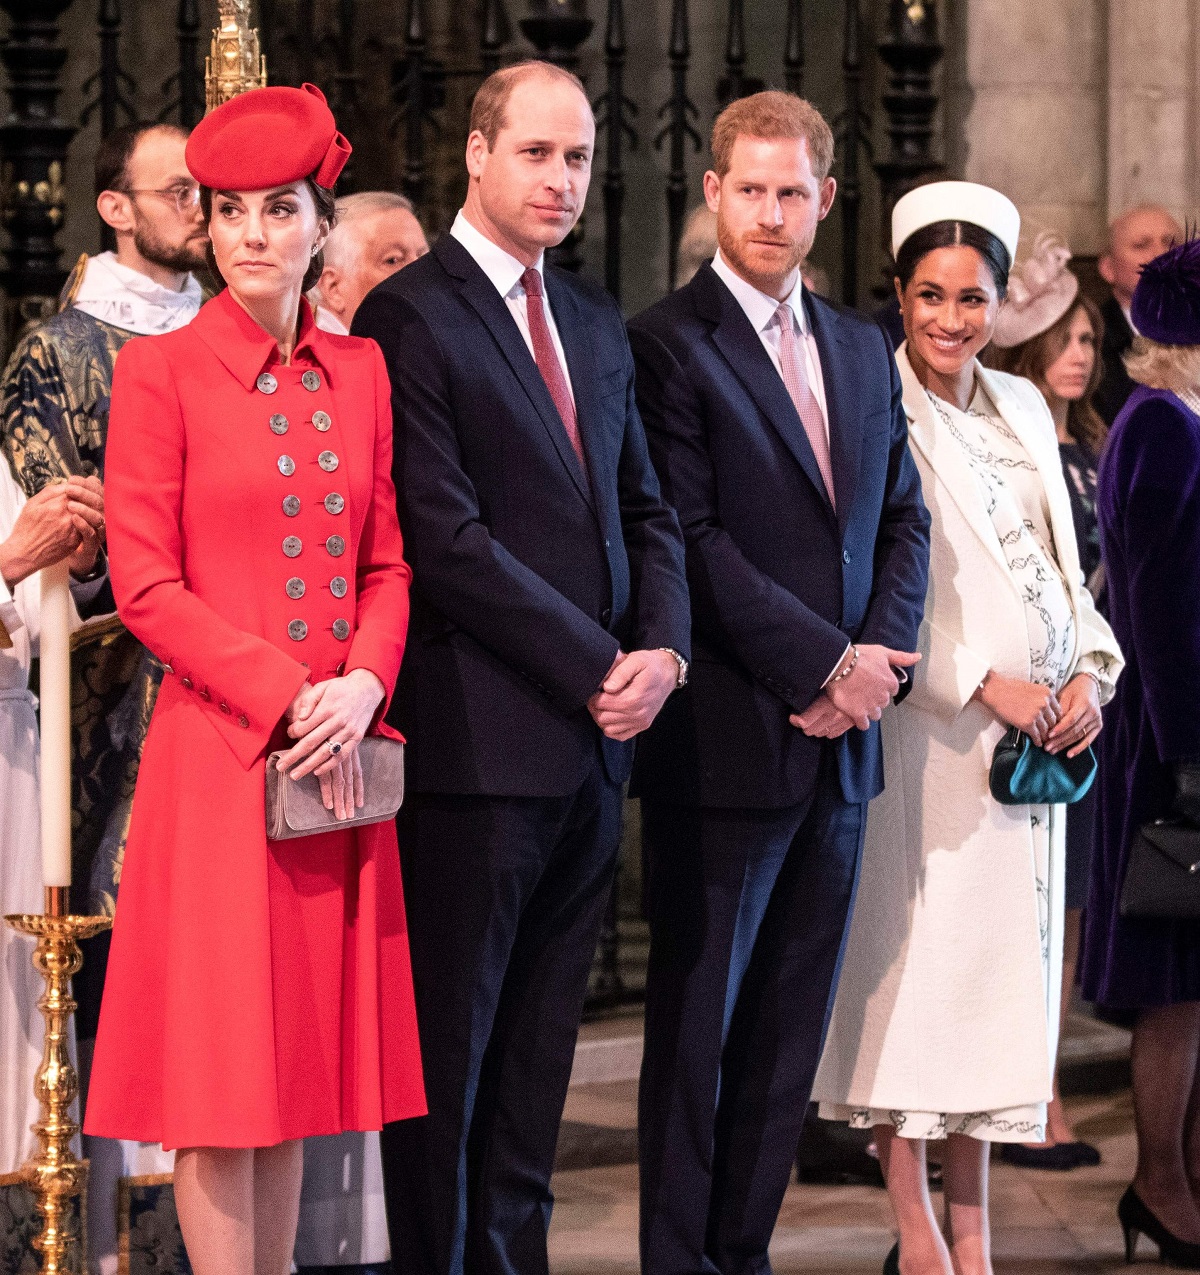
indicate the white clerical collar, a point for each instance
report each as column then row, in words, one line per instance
column 759, row 307
column 501, row 267
column 1127, row 311
column 327, row 321
column 128, row 299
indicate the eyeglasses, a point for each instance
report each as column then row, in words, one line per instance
column 184, row 195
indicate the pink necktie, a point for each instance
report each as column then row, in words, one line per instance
column 547, row 360
column 792, row 363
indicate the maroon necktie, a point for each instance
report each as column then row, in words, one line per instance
column 547, row 360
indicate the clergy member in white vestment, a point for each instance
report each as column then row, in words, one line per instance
column 44, row 537
column 945, row 1023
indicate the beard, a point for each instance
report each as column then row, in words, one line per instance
column 741, row 254
column 181, row 257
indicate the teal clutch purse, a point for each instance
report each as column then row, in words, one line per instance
column 1023, row 774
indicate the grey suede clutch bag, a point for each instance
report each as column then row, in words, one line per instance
column 295, row 808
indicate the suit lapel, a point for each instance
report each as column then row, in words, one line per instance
column 1042, row 448
column 842, row 403
column 743, row 350
column 479, row 292
column 948, row 462
column 581, row 366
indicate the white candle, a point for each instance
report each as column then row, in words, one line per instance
column 55, row 697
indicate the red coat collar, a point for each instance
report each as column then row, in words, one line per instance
column 247, row 350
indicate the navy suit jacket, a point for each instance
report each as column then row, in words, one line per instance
column 779, row 582
column 527, row 577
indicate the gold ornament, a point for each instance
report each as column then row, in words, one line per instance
column 55, row 1175
column 234, row 63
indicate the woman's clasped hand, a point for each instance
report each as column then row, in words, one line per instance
column 328, row 721
column 1069, row 721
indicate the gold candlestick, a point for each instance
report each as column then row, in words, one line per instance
column 55, row 1174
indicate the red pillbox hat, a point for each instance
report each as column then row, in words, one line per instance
column 268, row 137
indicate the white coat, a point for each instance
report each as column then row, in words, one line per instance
column 945, row 1003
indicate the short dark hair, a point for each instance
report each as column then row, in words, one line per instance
column 947, row 234
column 116, row 150
column 326, row 207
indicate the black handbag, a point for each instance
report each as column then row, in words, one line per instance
column 1023, row 774
column 1162, row 877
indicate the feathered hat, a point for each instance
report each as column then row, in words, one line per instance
column 1041, row 289
column 1166, row 302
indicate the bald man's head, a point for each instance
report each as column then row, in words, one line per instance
column 1134, row 238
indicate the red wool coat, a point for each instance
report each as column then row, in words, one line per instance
column 256, row 991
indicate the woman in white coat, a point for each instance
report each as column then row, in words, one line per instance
column 60, row 521
column 946, row 1018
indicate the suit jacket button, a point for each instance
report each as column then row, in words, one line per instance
column 297, row 630
column 328, row 461
column 321, row 420
column 278, row 423
column 168, row 669
column 334, row 503
column 335, row 546
column 225, row 707
column 267, row 383
column 291, row 505
column 845, row 555
column 292, row 546
column 295, row 588
column 338, row 586
column 341, row 629
column 243, row 721
column 341, row 668
column 311, row 380
column 205, row 695
column 186, row 682
column 606, row 615
column 286, row 466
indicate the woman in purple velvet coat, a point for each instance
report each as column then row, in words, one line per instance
column 1147, row 972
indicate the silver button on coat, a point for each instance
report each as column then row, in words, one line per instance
column 295, row 588
column 322, row 421
column 311, row 380
column 287, row 466
column 291, row 505
column 267, row 383
column 297, row 630
column 278, row 423
column 338, row 586
column 328, row 461
column 341, row 629
column 334, row 504
column 336, row 546
column 292, row 546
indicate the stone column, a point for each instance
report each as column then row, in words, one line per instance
column 1025, row 108
column 1153, row 105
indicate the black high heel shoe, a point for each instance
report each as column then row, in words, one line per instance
column 1136, row 1219
column 891, row 1263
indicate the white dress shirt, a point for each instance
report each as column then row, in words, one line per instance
column 760, row 310
column 327, row 321
column 505, row 272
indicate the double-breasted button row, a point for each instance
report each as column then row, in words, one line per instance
column 298, row 630
column 335, row 546
column 280, row 424
column 334, row 504
column 296, row 588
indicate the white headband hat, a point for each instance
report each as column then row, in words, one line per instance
column 956, row 201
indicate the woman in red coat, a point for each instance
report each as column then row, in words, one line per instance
column 257, row 992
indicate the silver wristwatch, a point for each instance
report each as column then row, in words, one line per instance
column 681, row 680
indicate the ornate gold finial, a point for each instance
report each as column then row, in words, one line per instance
column 234, row 63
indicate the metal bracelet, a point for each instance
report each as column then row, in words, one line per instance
column 845, row 673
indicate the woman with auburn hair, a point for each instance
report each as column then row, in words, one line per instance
column 259, row 990
column 1050, row 333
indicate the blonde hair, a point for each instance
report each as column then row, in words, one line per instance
column 1164, row 367
column 773, row 114
column 491, row 98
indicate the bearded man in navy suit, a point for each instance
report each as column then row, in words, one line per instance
column 776, row 426
column 549, row 624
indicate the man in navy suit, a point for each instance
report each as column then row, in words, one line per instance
column 776, row 426
column 549, row 624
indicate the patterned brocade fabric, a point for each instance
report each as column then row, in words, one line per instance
column 55, row 400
